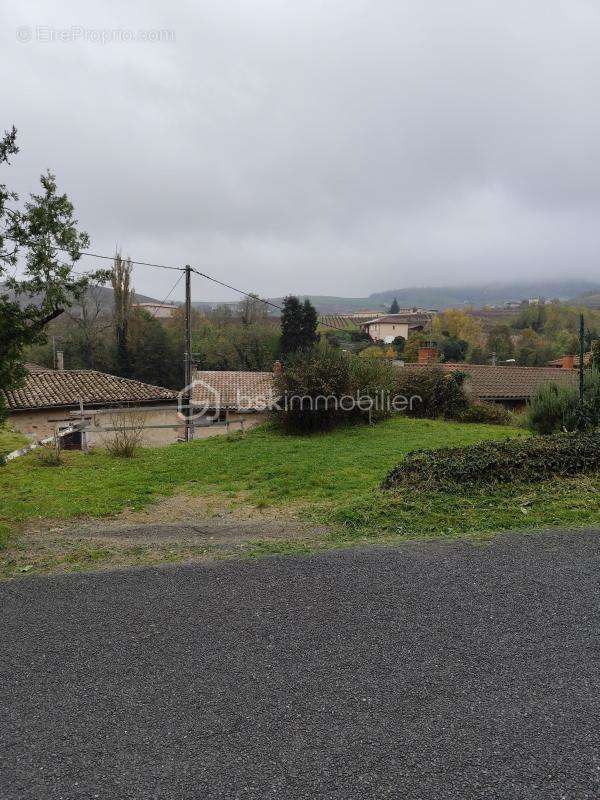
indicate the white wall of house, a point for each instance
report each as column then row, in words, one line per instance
column 41, row 424
column 235, row 418
column 382, row 331
column 45, row 422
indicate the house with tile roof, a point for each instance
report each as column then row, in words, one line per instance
column 222, row 400
column 511, row 386
column 570, row 361
column 388, row 327
column 51, row 400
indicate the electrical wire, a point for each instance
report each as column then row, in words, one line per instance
column 97, row 255
column 255, row 297
column 182, row 270
column 175, row 285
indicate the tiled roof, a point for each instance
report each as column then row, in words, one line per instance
column 411, row 318
column 504, row 382
column 237, row 390
column 60, row 388
column 557, row 362
column 31, row 367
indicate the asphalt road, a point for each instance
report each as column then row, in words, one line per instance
column 424, row 671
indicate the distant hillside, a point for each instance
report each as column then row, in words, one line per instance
column 588, row 299
column 438, row 297
column 102, row 294
column 456, row 296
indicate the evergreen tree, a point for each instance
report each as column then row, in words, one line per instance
column 394, row 308
column 298, row 326
column 310, row 321
column 292, row 319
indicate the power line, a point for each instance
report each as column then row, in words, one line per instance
column 233, row 288
column 97, row 255
column 182, row 270
column 255, row 297
column 170, row 292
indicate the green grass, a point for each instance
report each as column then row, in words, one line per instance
column 10, row 440
column 331, row 479
column 268, row 468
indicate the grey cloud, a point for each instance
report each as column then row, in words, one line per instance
column 341, row 147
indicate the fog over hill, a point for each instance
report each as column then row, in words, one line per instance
column 455, row 296
column 434, row 297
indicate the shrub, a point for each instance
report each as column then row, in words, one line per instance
column 313, row 383
column 441, row 394
column 492, row 413
column 127, row 433
column 49, row 455
column 555, row 407
column 525, row 460
column 372, row 377
column 309, row 381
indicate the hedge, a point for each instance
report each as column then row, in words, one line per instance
column 491, row 413
column 536, row 458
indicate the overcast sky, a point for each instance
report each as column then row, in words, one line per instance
column 331, row 147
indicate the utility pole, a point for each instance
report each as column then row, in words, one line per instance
column 581, row 347
column 189, row 426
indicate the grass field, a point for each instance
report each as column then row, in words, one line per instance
column 10, row 440
column 325, row 479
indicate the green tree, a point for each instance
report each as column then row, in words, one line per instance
column 394, row 308
column 413, row 345
column 500, row 342
column 34, row 237
column 310, row 321
column 595, row 361
column 151, row 356
column 123, row 297
column 532, row 316
column 298, row 326
column 252, row 311
column 452, row 348
column 399, row 344
column 532, row 349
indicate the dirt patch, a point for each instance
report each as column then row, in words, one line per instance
column 184, row 518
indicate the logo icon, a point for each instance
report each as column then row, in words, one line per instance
column 204, row 400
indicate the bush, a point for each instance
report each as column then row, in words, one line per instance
column 441, row 394
column 49, row 455
column 372, row 377
column 313, row 383
column 127, row 433
column 491, row 413
column 306, row 376
column 525, row 460
column 556, row 408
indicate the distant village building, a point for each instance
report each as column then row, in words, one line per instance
column 158, row 310
column 388, row 327
column 570, row 362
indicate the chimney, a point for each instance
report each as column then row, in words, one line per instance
column 428, row 354
column 568, row 362
column 60, row 359
column 277, row 368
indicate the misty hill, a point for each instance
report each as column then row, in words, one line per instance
column 589, row 299
column 439, row 297
column 103, row 295
column 456, row 296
